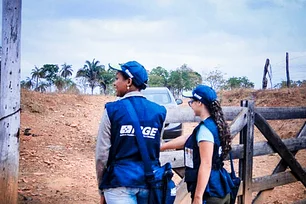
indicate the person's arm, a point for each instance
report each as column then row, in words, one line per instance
column 162, row 132
column 206, row 152
column 102, row 148
column 177, row 143
column 102, row 199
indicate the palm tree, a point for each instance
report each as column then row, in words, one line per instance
column 42, row 87
column 50, row 73
column 92, row 72
column 27, row 84
column 71, row 86
column 60, row 83
column 37, row 73
column 107, row 79
column 66, row 70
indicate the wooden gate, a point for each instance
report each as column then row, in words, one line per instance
column 243, row 120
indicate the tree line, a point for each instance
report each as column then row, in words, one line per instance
column 51, row 77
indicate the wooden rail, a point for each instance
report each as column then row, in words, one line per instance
column 243, row 120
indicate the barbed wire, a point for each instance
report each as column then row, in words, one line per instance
column 278, row 70
column 290, row 59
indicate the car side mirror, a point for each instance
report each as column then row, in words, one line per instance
column 178, row 101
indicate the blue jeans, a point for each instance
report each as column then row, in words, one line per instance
column 125, row 195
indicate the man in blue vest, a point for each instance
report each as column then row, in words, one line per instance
column 119, row 167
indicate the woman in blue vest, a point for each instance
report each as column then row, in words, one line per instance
column 119, row 167
column 205, row 149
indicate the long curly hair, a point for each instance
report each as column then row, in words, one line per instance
column 223, row 128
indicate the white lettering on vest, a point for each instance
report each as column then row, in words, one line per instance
column 128, row 130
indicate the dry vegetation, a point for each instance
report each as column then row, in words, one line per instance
column 57, row 158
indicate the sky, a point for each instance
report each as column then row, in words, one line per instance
column 235, row 37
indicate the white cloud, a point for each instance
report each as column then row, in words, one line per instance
column 74, row 41
column 203, row 34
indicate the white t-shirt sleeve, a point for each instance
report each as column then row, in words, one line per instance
column 204, row 134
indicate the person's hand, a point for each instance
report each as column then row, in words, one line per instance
column 197, row 201
column 161, row 147
column 102, row 199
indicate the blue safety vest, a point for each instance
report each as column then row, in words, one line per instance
column 126, row 169
column 219, row 184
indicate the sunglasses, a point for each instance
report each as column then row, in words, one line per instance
column 191, row 102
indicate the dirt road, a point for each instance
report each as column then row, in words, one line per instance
column 57, row 158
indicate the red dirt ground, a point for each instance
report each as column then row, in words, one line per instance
column 57, row 159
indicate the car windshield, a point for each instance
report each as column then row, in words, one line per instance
column 157, row 97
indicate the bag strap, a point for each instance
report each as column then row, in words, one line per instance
column 139, row 137
column 232, row 165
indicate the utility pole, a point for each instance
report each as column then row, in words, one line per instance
column 264, row 79
column 287, row 69
column 10, row 101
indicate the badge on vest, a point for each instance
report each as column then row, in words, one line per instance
column 189, row 157
column 220, row 151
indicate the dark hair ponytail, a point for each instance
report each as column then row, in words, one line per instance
column 223, row 128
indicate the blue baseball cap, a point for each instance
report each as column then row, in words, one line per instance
column 202, row 93
column 133, row 70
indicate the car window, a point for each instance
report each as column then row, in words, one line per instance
column 160, row 98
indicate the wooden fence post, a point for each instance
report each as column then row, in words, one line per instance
column 246, row 164
column 10, row 101
column 280, row 148
column 281, row 167
column 264, row 78
column 287, row 70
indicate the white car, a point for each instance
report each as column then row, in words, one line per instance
column 162, row 96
